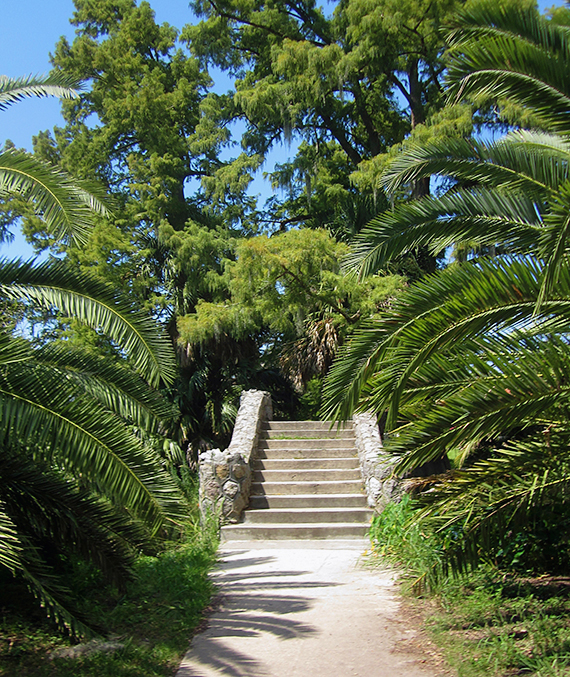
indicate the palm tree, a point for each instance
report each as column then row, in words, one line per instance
column 473, row 361
column 76, row 469
column 66, row 204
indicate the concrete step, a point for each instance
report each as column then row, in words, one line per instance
column 305, row 425
column 304, row 463
column 299, row 433
column 308, row 516
column 277, row 453
column 285, row 531
column 312, row 501
column 313, row 443
column 302, row 475
column 333, row 487
column 306, row 485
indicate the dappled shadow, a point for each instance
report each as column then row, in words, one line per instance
column 266, row 580
column 227, row 661
column 237, row 620
column 229, row 579
column 236, row 604
column 250, row 604
column 241, row 563
column 273, row 604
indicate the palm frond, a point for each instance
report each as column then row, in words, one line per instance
column 52, row 284
column 10, row 546
column 494, row 497
column 555, row 240
column 462, row 302
column 46, row 504
column 59, row 420
column 55, row 84
column 521, row 472
column 22, row 559
column 481, row 215
column 508, row 392
column 114, row 386
column 65, row 204
column 524, row 161
column 510, row 51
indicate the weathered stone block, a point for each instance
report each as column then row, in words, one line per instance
column 213, row 490
column 240, row 503
column 225, row 476
column 222, row 471
column 227, row 508
column 239, row 471
column 231, row 489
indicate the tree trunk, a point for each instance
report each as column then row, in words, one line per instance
column 420, row 187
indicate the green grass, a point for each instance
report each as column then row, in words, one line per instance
column 154, row 618
column 495, row 624
column 490, row 622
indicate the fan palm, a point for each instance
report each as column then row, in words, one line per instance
column 472, row 362
column 76, row 472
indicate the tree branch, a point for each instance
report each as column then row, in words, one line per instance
column 340, row 136
column 253, row 24
column 396, row 81
column 373, row 136
column 307, row 288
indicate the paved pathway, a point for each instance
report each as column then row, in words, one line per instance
column 302, row 609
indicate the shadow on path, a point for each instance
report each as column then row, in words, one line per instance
column 250, row 603
column 226, row 660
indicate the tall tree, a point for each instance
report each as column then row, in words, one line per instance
column 148, row 127
column 144, row 127
column 348, row 87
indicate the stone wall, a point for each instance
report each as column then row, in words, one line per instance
column 377, row 466
column 225, row 476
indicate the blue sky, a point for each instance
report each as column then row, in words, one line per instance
column 28, row 33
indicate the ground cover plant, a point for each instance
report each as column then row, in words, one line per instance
column 153, row 618
column 503, row 618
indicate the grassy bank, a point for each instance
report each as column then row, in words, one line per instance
column 153, row 619
column 490, row 621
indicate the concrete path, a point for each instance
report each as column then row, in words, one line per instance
column 303, row 609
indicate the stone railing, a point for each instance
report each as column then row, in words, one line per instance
column 225, row 476
column 377, row 467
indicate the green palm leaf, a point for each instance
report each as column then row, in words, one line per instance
column 474, row 361
column 484, row 216
column 114, row 386
column 516, row 183
column 75, row 471
column 530, row 161
column 507, row 51
column 509, row 391
column 53, row 285
column 61, row 421
column 459, row 304
column 55, row 84
column 65, row 204
column 10, row 546
column 46, row 504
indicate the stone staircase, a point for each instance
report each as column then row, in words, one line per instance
column 306, row 484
